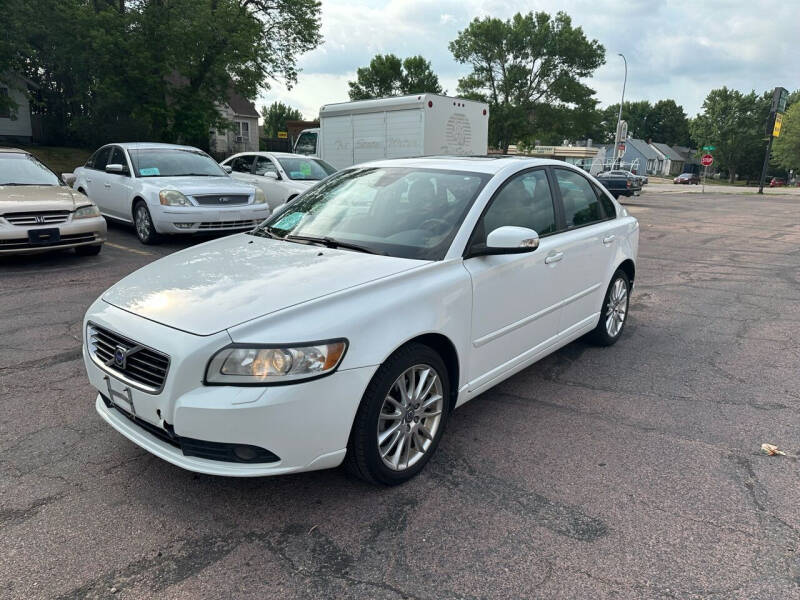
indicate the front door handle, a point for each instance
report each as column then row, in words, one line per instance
column 88, row 181
column 608, row 239
column 107, row 185
column 554, row 257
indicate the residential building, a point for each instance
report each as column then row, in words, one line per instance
column 639, row 152
column 672, row 160
column 243, row 137
column 15, row 123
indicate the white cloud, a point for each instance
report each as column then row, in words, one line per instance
column 679, row 49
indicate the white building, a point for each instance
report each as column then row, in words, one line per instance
column 15, row 123
column 244, row 136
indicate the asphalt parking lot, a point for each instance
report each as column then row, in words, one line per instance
column 627, row 472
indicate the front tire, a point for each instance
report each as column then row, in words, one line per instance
column 401, row 417
column 143, row 222
column 614, row 312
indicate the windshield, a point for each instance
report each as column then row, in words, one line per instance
column 18, row 168
column 174, row 162
column 306, row 169
column 405, row 212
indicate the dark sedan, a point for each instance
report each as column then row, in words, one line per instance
column 687, row 178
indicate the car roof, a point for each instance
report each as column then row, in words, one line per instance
column 151, row 146
column 13, row 151
column 275, row 154
column 476, row 164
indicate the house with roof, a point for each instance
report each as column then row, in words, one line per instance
column 686, row 154
column 243, row 137
column 639, row 152
column 672, row 161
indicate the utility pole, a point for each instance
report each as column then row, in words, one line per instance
column 779, row 97
column 617, row 139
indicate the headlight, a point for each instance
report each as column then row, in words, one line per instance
column 85, row 212
column 261, row 197
column 261, row 366
column 173, row 198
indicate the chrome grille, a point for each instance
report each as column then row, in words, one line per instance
column 66, row 240
column 50, row 217
column 228, row 224
column 143, row 367
column 222, row 199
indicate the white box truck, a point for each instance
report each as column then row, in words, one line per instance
column 350, row 133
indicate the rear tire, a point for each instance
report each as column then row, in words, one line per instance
column 394, row 434
column 143, row 223
column 614, row 312
column 88, row 250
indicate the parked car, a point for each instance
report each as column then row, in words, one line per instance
column 39, row 212
column 164, row 188
column 280, row 175
column 623, row 173
column 687, row 179
column 777, row 182
column 348, row 325
column 621, row 183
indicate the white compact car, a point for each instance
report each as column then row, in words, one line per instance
column 348, row 325
column 164, row 188
column 280, row 176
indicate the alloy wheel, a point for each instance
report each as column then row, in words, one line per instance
column 617, row 307
column 142, row 222
column 410, row 417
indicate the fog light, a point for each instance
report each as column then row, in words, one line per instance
column 245, row 452
column 184, row 225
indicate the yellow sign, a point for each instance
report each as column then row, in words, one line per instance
column 282, row 134
column 776, row 130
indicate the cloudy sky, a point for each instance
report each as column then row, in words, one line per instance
column 675, row 49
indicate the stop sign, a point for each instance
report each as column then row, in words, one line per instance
column 707, row 160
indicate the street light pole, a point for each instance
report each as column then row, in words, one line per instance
column 621, row 102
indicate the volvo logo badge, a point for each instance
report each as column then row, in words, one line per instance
column 120, row 356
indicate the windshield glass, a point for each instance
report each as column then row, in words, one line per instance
column 306, row 169
column 174, row 162
column 400, row 211
column 17, row 168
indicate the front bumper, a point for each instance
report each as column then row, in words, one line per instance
column 170, row 219
column 81, row 232
column 305, row 425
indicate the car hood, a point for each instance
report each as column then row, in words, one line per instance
column 192, row 186
column 225, row 282
column 34, row 198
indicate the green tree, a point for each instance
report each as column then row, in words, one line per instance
column 786, row 147
column 275, row 117
column 521, row 65
column 735, row 123
column 667, row 123
column 387, row 75
column 150, row 69
column 636, row 114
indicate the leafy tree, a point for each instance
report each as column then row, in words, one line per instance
column 387, row 75
column 637, row 114
column 735, row 123
column 786, row 147
column 667, row 123
column 275, row 117
column 522, row 64
column 150, row 69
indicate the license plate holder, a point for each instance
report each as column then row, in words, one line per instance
column 44, row 237
column 126, row 396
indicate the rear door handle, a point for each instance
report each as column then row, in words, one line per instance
column 608, row 239
column 554, row 257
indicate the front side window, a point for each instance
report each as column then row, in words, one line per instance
column 406, row 212
column 100, row 158
column 118, row 158
column 174, row 162
column 18, row 168
column 306, row 169
column 241, row 164
column 306, row 143
column 581, row 205
column 264, row 166
column 524, row 201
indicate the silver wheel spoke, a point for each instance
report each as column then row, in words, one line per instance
column 425, row 433
column 394, row 403
column 430, row 402
column 419, row 393
column 388, row 433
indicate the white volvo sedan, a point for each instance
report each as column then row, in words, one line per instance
column 164, row 188
column 351, row 323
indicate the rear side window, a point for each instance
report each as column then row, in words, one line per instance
column 524, row 201
column 581, row 204
column 608, row 206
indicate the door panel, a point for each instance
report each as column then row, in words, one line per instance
column 96, row 179
column 275, row 190
column 117, row 187
column 516, row 297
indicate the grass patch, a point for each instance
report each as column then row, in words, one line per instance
column 59, row 159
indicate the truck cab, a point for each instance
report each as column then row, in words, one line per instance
column 307, row 142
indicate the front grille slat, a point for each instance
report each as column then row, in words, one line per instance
column 227, row 224
column 71, row 238
column 146, row 367
column 37, row 218
column 222, row 199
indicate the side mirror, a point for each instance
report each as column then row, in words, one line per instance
column 227, row 168
column 68, row 178
column 272, row 175
column 114, row 168
column 508, row 239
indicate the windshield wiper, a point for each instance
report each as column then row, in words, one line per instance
column 330, row 242
column 15, row 183
column 264, row 232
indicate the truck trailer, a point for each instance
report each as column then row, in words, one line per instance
column 350, row 133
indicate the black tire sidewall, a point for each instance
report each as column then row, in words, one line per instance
column 364, row 435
